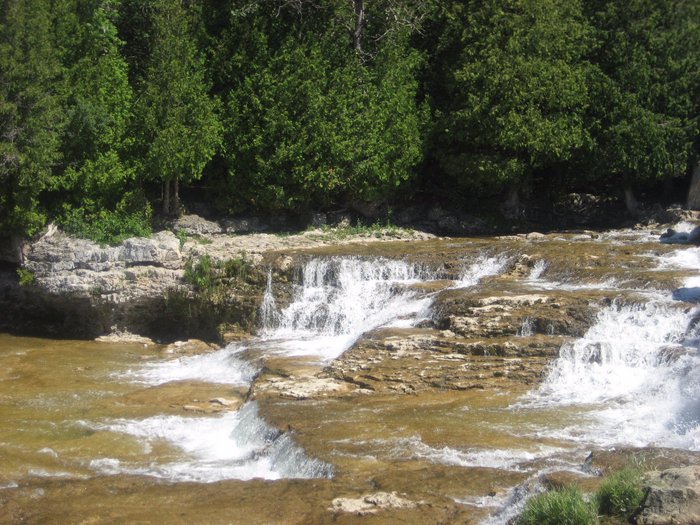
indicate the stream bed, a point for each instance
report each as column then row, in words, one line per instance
column 425, row 382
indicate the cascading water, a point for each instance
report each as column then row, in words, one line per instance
column 340, row 298
column 483, row 266
column 336, row 301
column 237, row 445
column 638, row 370
column 268, row 308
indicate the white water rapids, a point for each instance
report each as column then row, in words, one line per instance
column 336, row 300
column 634, row 377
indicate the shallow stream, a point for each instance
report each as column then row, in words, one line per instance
column 117, row 433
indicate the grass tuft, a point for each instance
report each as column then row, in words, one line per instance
column 621, row 493
column 560, row 507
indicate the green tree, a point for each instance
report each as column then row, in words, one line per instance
column 646, row 87
column 311, row 120
column 31, row 117
column 509, row 88
column 98, row 194
column 178, row 127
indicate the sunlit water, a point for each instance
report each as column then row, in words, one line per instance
column 632, row 380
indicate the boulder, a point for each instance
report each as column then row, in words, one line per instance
column 673, row 497
column 190, row 347
column 196, row 225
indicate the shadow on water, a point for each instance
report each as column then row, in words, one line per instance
column 689, row 295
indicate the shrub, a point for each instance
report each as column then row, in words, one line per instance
column 560, row 507
column 201, row 275
column 621, row 493
column 132, row 218
column 26, row 277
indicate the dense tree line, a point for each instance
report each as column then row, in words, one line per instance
column 109, row 107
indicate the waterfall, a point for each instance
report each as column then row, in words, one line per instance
column 335, row 301
column 340, row 298
column 268, row 309
column 638, row 370
column 527, row 328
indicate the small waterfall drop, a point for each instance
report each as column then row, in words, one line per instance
column 638, row 370
column 538, row 270
column 269, row 313
column 527, row 328
column 236, row 445
column 483, row 266
column 340, row 298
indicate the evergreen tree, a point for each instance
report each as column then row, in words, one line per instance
column 31, row 117
column 98, row 191
column 311, row 121
column 647, row 90
column 509, row 90
column 178, row 127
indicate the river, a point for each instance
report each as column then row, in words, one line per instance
column 370, row 381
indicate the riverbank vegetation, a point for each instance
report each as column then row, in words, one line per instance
column 618, row 498
column 114, row 110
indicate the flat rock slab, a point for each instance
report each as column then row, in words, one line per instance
column 371, row 503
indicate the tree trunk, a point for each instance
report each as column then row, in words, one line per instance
column 359, row 24
column 176, row 198
column 631, row 202
column 166, row 198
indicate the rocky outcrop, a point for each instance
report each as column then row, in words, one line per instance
column 672, row 497
column 77, row 288
column 408, row 361
column 473, row 316
column 138, row 267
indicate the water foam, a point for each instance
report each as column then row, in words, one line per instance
column 225, row 366
column 636, row 373
column 236, row 445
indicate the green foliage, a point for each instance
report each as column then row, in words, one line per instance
column 646, row 87
column 26, row 277
column 516, row 76
column 208, row 277
column 560, row 507
column 31, row 118
column 309, row 123
column 621, row 493
column 178, row 127
column 131, row 218
column 200, row 274
column 182, row 237
column 297, row 106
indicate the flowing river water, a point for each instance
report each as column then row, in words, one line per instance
column 93, row 432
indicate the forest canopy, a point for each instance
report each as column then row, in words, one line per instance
column 109, row 108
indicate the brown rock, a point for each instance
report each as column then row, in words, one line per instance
column 673, row 497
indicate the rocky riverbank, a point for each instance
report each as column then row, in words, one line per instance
column 69, row 287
